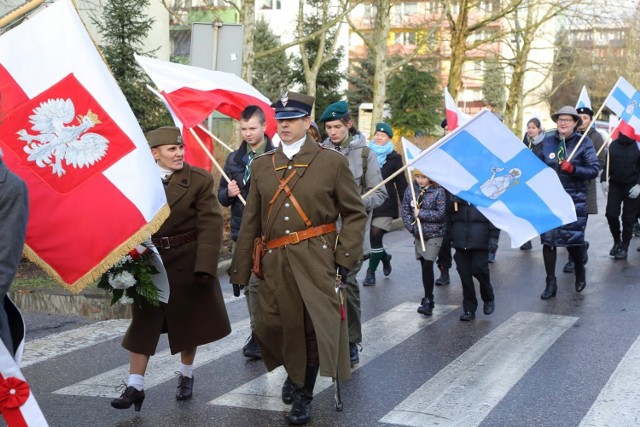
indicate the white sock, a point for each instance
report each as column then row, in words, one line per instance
column 186, row 370
column 136, row 381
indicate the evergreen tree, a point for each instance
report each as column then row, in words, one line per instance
column 271, row 74
column 414, row 100
column 493, row 88
column 361, row 82
column 124, row 28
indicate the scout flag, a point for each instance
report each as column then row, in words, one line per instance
column 484, row 163
column 624, row 101
column 583, row 99
column 193, row 93
column 66, row 129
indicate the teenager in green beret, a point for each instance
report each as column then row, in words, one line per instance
column 345, row 138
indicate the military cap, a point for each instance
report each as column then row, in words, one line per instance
column 569, row 111
column 335, row 111
column 165, row 135
column 293, row 105
column 383, row 127
column 585, row 110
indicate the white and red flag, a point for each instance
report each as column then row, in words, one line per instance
column 193, row 152
column 454, row 117
column 193, row 93
column 66, row 129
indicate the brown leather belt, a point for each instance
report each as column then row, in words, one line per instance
column 299, row 236
column 173, row 241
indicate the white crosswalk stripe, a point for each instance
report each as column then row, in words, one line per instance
column 479, row 378
column 161, row 367
column 75, row 339
column 618, row 404
column 382, row 334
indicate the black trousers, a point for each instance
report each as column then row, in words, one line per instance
column 444, row 256
column 473, row 263
column 618, row 200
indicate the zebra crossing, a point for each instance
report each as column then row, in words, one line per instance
column 463, row 393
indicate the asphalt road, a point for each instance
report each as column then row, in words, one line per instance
column 569, row 361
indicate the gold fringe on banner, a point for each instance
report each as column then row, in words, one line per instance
column 19, row 12
column 116, row 255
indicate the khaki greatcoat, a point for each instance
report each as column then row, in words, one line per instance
column 301, row 276
column 195, row 314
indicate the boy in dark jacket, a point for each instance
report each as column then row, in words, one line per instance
column 472, row 235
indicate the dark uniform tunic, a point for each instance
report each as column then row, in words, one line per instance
column 195, row 314
column 301, row 276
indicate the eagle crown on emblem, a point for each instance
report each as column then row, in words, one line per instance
column 284, row 99
column 54, row 142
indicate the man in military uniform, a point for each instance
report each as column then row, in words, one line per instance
column 297, row 194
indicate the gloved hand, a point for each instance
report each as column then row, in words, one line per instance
column 343, row 272
column 493, row 244
column 567, row 167
column 635, row 191
column 236, row 289
column 605, row 187
column 203, row 278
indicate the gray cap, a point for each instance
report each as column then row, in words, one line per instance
column 569, row 111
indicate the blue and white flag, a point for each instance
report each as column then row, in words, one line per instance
column 624, row 101
column 583, row 99
column 484, row 163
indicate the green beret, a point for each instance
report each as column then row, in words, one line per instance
column 165, row 135
column 383, row 127
column 335, row 111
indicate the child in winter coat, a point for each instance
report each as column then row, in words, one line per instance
column 430, row 211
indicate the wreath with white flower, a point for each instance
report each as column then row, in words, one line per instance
column 130, row 278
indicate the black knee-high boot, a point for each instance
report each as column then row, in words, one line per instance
column 300, row 413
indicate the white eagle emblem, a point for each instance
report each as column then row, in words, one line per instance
column 631, row 106
column 55, row 142
column 495, row 186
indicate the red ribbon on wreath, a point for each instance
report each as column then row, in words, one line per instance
column 14, row 392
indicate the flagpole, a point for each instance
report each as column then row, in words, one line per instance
column 215, row 162
column 426, row 151
column 204, row 129
column 19, row 12
column 415, row 203
column 594, row 119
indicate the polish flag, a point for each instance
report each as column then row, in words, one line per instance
column 193, row 152
column 66, row 129
column 193, row 93
column 454, row 117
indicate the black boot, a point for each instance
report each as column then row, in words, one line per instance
column 300, row 413
column 288, row 391
column 443, row 280
column 551, row 288
column 581, row 278
column 621, row 253
column 386, row 264
column 370, row 278
column 426, row 307
column 614, row 249
column 585, row 253
column 130, row 396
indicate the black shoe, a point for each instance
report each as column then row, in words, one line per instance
column 251, row 349
column 621, row 254
column 467, row 316
column 386, row 264
column 551, row 288
column 184, row 391
column 370, row 278
column 488, row 308
column 426, row 307
column 444, row 279
column 585, row 253
column 614, row 249
column 300, row 412
column 569, row 267
column 353, row 354
column 527, row 246
column 130, row 396
column 288, row 391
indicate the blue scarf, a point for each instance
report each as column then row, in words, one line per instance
column 381, row 151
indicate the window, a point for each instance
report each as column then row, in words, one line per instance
column 404, row 38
